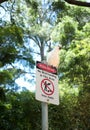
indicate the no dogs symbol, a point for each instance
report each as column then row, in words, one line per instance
column 47, row 86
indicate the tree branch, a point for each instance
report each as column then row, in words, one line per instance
column 1, row 1
column 78, row 3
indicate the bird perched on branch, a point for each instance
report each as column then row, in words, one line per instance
column 53, row 57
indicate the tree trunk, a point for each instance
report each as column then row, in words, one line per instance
column 42, row 51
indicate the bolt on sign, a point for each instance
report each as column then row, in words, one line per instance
column 46, row 83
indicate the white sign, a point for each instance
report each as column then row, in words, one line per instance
column 46, row 83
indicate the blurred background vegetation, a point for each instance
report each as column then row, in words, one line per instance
column 28, row 30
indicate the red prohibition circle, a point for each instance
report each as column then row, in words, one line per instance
column 48, row 90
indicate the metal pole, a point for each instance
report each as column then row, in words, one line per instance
column 44, row 105
column 44, row 116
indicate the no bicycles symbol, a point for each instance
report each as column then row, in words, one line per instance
column 47, row 86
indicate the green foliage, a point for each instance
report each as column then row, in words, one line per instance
column 2, row 95
column 5, row 76
column 45, row 24
column 12, row 50
column 61, row 116
column 33, row 4
column 80, row 14
column 65, row 31
column 75, row 64
column 20, row 112
column 10, row 39
column 75, row 69
column 58, row 5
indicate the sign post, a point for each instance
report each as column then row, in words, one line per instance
column 44, row 116
column 46, row 89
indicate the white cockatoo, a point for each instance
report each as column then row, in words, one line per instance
column 53, row 58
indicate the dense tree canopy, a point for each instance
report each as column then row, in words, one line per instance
column 28, row 30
